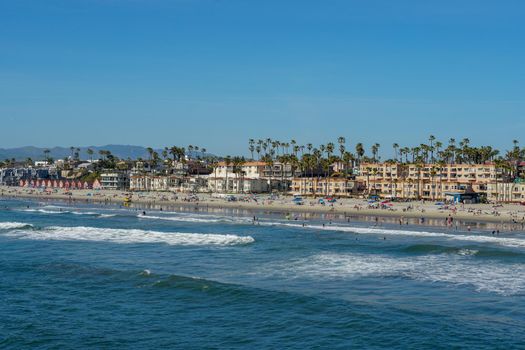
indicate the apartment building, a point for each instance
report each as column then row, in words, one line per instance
column 428, row 181
column 313, row 186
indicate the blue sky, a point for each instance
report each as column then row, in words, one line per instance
column 217, row 72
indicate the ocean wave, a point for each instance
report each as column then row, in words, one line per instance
column 62, row 210
column 13, row 225
column 176, row 218
column 476, row 238
column 89, row 213
column 421, row 249
column 107, row 215
column 46, row 211
column 504, row 279
column 196, row 218
column 83, row 233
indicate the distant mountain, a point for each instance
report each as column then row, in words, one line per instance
column 37, row 153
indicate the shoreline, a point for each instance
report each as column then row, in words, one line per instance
column 425, row 214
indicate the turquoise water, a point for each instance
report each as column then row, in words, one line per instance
column 78, row 276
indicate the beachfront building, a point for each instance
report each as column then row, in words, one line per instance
column 427, row 181
column 237, row 185
column 246, row 178
column 511, row 192
column 248, row 169
column 114, row 180
column 149, row 183
column 59, row 184
column 250, row 176
column 12, row 176
column 169, row 183
column 315, row 186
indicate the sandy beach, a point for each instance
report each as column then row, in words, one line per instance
column 510, row 215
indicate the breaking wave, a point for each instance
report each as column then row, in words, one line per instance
column 461, row 269
column 13, row 225
column 196, row 218
column 83, row 233
column 504, row 241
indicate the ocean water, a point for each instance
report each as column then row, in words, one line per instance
column 100, row 277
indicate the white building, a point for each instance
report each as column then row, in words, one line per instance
column 114, row 181
column 506, row 192
column 235, row 184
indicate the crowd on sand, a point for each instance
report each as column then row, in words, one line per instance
column 448, row 214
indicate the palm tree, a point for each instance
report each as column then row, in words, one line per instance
column 267, row 158
column 441, row 165
column 214, row 164
column 251, row 146
column 395, row 146
column 90, row 153
column 419, row 167
column 431, row 138
column 238, row 162
column 293, row 143
column 154, row 160
column 375, row 151
column 46, row 154
column 227, row 162
column 150, row 151
column 360, row 151
column 437, row 147
column 433, row 173
column 341, row 141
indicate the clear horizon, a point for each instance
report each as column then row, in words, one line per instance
column 158, row 73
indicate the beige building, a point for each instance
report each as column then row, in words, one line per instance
column 506, row 192
column 235, row 184
column 115, row 180
column 313, row 186
column 249, row 169
column 429, row 181
column 151, row 183
column 278, row 175
column 168, row 183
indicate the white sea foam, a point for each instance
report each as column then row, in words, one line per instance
column 46, row 211
column 467, row 252
column 13, row 225
column 84, row 213
column 177, row 218
column 478, row 238
column 196, row 218
column 82, row 233
column 505, row 279
column 107, row 215
column 60, row 210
